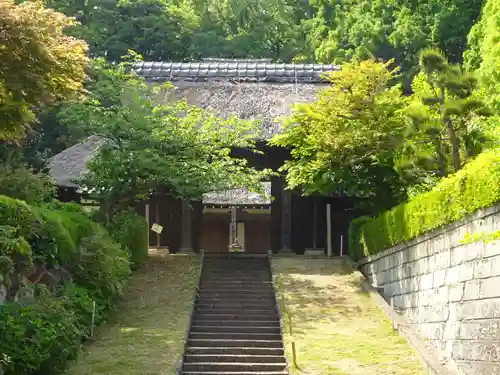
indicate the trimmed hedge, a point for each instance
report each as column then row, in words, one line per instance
column 474, row 187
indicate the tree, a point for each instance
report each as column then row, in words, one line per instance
column 483, row 54
column 344, row 141
column 157, row 29
column 444, row 110
column 398, row 29
column 38, row 63
column 249, row 28
column 150, row 147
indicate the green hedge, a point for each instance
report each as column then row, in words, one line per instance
column 474, row 187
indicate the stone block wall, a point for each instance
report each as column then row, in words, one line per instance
column 448, row 290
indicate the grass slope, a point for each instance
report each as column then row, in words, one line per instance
column 147, row 336
column 338, row 328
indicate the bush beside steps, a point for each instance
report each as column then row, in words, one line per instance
column 55, row 262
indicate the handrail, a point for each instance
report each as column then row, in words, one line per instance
column 190, row 323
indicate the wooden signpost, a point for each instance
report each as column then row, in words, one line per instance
column 157, row 228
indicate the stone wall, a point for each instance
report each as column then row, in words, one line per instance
column 449, row 291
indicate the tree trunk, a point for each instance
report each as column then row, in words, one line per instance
column 441, row 158
column 452, row 134
column 455, row 146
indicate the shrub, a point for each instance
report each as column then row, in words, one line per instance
column 18, row 214
column 100, row 266
column 22, row 183
column 474, row 187
column 355, row 251
column 37, row 338
column 79, row 300
column 54, row 242
column 40, row 338
column 130, row 230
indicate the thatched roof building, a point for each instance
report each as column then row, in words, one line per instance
column 251, row 90
column 69, row 165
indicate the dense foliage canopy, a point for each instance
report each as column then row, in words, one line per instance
column 38, row 63
column 286, row 30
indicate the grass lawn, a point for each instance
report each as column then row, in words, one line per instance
column 146, row 337
column 338, row 328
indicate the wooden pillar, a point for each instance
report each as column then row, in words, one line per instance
column 315, row 223
column 328, row 230
column 286, row 220
column 186, row 236
column 157, row 221
column 196, row 225
column 277, row 193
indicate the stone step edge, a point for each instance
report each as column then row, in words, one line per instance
column 231, row 348
column 237, row 355
column 234, row 372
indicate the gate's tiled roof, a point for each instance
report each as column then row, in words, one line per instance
column 236, row 70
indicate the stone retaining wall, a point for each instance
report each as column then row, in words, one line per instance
column 450, row 291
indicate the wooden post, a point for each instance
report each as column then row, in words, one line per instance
column 329, row 229
column 147, row 220
column 315, row 223
column 341, row 244
column 157, row 220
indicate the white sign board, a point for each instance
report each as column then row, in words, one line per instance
column 157, row 228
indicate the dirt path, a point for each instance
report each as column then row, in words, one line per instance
column 146, row 338
column 338, row 328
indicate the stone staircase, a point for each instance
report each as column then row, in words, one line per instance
column 235, row 327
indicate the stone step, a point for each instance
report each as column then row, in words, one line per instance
column 239, row 312
column 236, row 303
column 235, row 317
column 235, row 350
column 235, row 270
column 238, row 296
column 242, row 292
column 245, row 358
column 235, row 343
column 235, row 328
column 242, row 289
column 235, row 366
column 237, row 323
column 239, row 278
column 235, row 335
column 211, row 298
column 235, row 311
column 236, row 283
column 237, row 289
column 245, row 329
column 284, row 372
column 259, row 305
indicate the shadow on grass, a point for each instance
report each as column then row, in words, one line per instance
column 307, row 299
